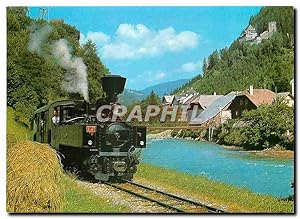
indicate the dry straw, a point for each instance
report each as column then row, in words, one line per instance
column 34, row 178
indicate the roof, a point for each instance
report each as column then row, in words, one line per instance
column 55, row 104
column 283, row 95
column 260, row 96
column 205, row 100
column 181, row 99
column 188, row 99
column 169, row 99
column 213, row 109
column 250, row 27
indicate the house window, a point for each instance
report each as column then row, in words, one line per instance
column 246, row 102
column 237, row 113
column 241, row 102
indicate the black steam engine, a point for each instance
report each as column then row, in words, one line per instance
column 103, row 149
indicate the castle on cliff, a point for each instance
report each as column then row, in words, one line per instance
column 250, row 34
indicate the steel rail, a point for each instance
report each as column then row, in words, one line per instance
column 211, row 209
column 175, row 197
column 145, row 197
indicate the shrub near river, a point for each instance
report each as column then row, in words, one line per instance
column 265, row 127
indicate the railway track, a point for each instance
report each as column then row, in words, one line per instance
column 172, row 203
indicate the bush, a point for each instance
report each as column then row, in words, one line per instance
column 174, row 133
column 262, row 128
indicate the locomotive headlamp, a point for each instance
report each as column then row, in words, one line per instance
column 142, row 143
column 90, row 142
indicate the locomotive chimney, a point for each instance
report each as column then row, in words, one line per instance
column 113, row 85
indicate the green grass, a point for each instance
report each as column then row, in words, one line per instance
column 80, row 200
column 234, row 199
column 21, row 132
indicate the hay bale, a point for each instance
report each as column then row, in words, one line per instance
column 11, row 140
column 34, row 178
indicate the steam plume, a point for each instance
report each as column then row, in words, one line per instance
column 38, row 38
column 75, row 78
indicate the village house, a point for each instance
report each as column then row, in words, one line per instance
column 183, row 99
column 201, row 102
column 168, row 100
column 250, row 99
column 285, row 97
column 230, row 106
column 292, row 85
column 216, row 113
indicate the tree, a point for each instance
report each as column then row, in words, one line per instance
column 34, row 81
column 204, row 66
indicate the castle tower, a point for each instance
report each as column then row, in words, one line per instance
column 272, row 27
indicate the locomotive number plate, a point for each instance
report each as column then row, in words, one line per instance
column 90, row 129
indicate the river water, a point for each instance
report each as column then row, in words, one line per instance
column 259, row 174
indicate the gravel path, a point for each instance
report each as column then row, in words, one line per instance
column 135, row 204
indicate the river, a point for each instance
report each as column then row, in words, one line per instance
column 259, row 174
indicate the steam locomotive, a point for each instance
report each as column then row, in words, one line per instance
column 102, row 150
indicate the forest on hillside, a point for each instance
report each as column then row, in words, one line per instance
column 45, row 62
column 269, row 64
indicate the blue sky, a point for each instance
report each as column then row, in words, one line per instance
column 151, row 45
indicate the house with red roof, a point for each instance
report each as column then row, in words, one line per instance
column 250, row 99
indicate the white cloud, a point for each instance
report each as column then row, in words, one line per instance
column 131, row 32
column 160, row 76
column 191, row 66
column 152, row 76
column 118, row 51
column 136, row 41
column 96, row 37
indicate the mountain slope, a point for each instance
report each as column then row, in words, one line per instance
column 129, row 97
column 269, row 64
column 164, row 88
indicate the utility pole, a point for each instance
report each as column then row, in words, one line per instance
column 43, row 14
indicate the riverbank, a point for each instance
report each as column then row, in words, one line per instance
column 276, row 152
column 210, row 192
column 160, row 135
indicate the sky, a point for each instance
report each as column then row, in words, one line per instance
column 152, row 45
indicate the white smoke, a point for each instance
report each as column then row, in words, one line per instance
column 38, row 38
column 75, row 78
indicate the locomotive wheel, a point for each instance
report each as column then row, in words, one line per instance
column 128, row 176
